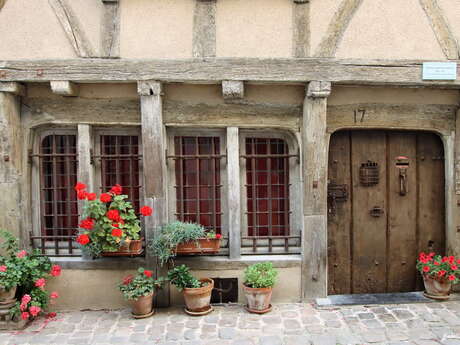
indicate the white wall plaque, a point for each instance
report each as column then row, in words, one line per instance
column 439, row 71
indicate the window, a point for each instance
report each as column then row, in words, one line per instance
column 57, row 176
column 117, row 161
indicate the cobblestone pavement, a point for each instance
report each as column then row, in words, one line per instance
column 287, row 324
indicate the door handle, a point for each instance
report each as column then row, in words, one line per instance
column 376, row 211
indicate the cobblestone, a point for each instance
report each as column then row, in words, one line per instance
column 288, row 324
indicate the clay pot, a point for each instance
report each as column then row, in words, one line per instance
column 7, row 296
column 436, row 289
column 200, row 246
column 199, row 299
column 258, row 299
column 143, row 306
column 135, row 245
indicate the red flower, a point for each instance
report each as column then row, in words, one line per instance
column 451, row 277
column 87, row 223
column 218, row 236
column 117, row 232
column 436, row 263
column 54, row 295
column 146, row 211
column 91, row 196
column 26, row 299
column 2, row 268
column 56, row 270
column 431, row 254
column 116, row 189
column 105, row 197
column 34, row 310
column 451, row 259
column 116, row 225
column 24, row 315
column 426, row 269
column 148, row 273
column 83, row 239
column 80, row 186
column 453, row 267
column 441, row 273
column 127, row 280
column 40, row 282
column 21, row 254
column 81, row 195
column 23, row 307
column 113, row 215
column 445, row 259
column 51, row 315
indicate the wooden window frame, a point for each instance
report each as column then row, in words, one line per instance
column 172, row 200
column 63, row 247
column 295, row 197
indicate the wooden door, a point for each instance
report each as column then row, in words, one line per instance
column 385, row 204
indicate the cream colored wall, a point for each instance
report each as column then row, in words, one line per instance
column 156, row 29
column 451, row 10
column 390, row 29
column 30, row 30
column 256, row 28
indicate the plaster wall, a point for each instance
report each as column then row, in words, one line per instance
column 156, row 29
column 451, row 10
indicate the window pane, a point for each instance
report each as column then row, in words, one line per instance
column 58, row 176
column 120, row 165
column 198, row 181
column 267, row 187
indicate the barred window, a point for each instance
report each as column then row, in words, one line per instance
column 57, row 176
column 198, row 181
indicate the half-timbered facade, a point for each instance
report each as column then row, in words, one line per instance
column 300, row 130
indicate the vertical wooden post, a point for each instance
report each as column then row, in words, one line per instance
column 204, row 29
column 234, row 193
column 11, row 162
column 154, row 167
column 314, row 158
column 84, row 173
column 301, row 29
column 110, row 31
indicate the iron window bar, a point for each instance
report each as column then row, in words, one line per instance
column 270, row 239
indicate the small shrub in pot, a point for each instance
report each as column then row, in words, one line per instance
column 259, row 280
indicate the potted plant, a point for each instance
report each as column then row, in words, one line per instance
column 109, row 225
column 197, row 293
column 184, row 238
column 259, row 280
column 439, row 273
column 139, row 291
column 10, row 276
column 31, row 273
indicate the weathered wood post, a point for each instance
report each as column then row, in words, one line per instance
column 154, row 167
column 11, row 161
column 314, row 154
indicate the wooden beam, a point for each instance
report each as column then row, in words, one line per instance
column 72, row 28
column 204, row 29
column 232, row 90
column 13, row 87
column 441, row 28
column 337, row 26
column 65, row 88
column 301, row 29
column 234, row 192
column 110, row 31
column 314, row 160
column 354, row 72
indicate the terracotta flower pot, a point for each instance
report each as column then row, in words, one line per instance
column 200, row 246
column 436, row 289
column 7, row 296
column 198, row 300
column 135, row 245
column 142, row 307
column 258, row 299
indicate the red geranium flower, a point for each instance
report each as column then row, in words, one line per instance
column 441, row 273
column 436, row 263
column 80, row 186
column 453, row 267
column 54, row 295
column 87, row 223
column 24, row 315
column 40, row 282
column 426, row 269
column 117, row 232
column 21, row 254
column 218, row 236
column 127, row 280
column 451, row 277
column 105, row 197
column 56, row 270
column 113, row 215
column 116, row 189
column 146, row 211
column 91, row 196
column 451, row 259
column 83, row 239
column 26, row 299
column 51, row 315
column 148, row 273
column 81, row 195
column 34, row 310
column 445, row 259
column 2, row 268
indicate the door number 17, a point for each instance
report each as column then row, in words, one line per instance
column 359, row 115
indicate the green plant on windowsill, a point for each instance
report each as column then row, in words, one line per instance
column 175, row 233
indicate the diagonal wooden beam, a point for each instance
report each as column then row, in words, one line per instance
column 337, row 26
column 440, row 28
column 111, row 29
column 72, row 28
